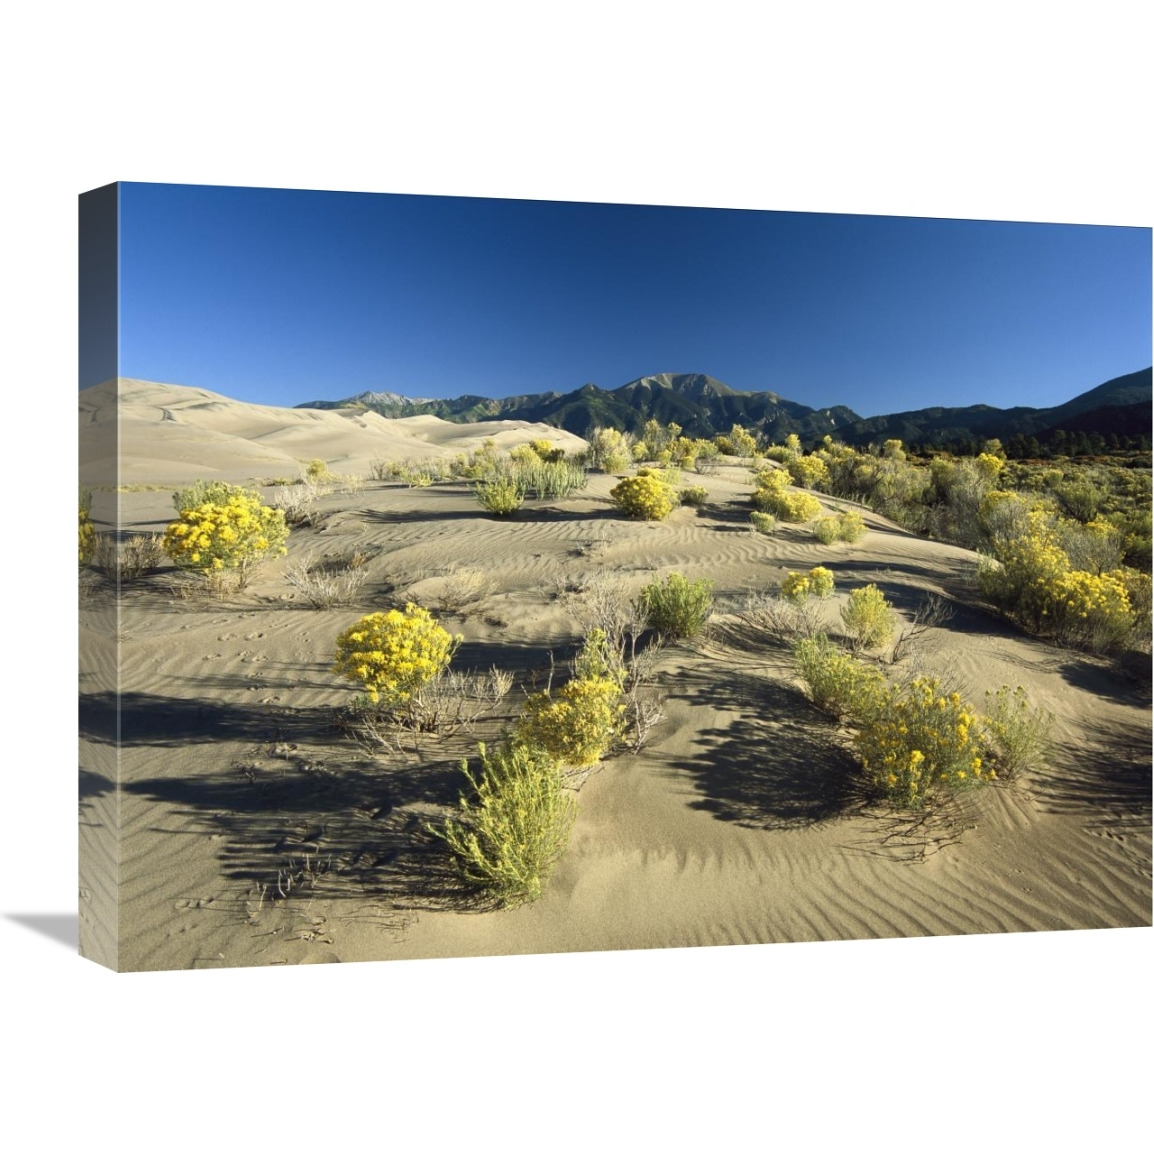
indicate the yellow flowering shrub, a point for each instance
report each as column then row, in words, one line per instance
column 847, row 526
column 738, row 443
column 546, row 450
column 920, row 740
column 809, row 472
column 645, row 497
column 772, row 495
column 393, row 654
column 797, row 588
column 1089, row 607
column 868, row 617
column 1031, row 579
column 87, row 536
column 235, row 537
column 577, row 724
column 989, row 466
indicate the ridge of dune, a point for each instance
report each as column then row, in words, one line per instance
column 176, row 433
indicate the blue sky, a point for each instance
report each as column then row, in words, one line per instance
column 283, row 296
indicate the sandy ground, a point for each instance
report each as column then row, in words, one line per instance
column 253, row 832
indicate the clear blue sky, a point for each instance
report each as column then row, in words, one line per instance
column 280, row 296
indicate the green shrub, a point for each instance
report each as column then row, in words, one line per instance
column 851, row 526
column 764, row 523
column 609, row 450
column 1081, row 499
column 868, row 618
column 825, row 530
column 501, row 496
column 515, row 827
column 87, row 531
column 1015, row 734
column 551, row 480
column 835, row 681
column 645, row 497
column 694, row 495
column 210, row 493
column 676, row 607
column 706, row 459
column 1095, row 547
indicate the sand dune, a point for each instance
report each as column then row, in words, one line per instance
column 171, row 433
column 255, row 834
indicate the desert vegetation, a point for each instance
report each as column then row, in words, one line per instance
column 1065, row 546
column 676, row 607
column 223, row 530
column 514, row 822
column 646, row 496
column 436, row 696
column 917, row 740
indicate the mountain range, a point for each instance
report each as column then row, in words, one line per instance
column 704, row 406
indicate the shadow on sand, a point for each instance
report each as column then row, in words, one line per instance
column 777, row 767
column 293, row 828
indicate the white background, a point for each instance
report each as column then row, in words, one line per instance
column 980, row 110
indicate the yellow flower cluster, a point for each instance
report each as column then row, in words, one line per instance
column 809, row 472
column 799, row 587
column 1096, row 599
column 772, row 495
column 577, row 724
column 236, row 535
column 989, row 466
column 919, row 739
column 847, row 526
column 393, row 654
column 645, row 497
column 87, row 536
column 1035, row 581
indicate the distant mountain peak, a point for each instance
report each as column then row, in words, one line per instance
column 693, row 385
column 387, row 398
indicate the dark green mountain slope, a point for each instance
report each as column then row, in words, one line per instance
column 704, row 406
column 701, row 405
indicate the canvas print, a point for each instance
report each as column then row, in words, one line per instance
column 465, row 577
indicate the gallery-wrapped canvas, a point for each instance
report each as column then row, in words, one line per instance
column 466, row 577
